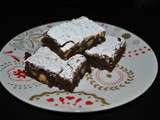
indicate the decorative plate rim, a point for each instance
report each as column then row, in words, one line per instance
column 145, row 88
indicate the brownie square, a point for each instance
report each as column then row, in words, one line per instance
column 47, row 67
column 72, row 37
column 106, row 55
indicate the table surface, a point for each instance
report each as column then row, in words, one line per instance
column 145, row 106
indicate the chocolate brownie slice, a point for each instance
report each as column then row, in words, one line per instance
column 47, row 67
column 107, row 54
column 72, row 37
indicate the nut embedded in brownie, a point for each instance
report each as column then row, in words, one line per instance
column 107, row 54
column 47, row 67
column 72, row 37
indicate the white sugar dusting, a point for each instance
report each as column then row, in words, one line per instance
column 48, row 60
column 67, row 46
column 75, row 30
column 108, row 48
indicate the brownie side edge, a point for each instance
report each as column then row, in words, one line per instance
column 101, row 63
column 78, row 48
column 46, row 77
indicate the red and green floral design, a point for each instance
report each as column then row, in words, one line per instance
column 71, row 100
column 137, row 52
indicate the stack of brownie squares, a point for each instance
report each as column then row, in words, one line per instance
column 69, row 50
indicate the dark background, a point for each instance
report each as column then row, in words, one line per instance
column 138, row 16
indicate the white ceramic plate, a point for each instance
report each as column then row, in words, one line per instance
column 97, row 91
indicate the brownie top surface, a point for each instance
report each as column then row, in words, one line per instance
column 48, row 60
column 108, row 48
column 75, row 30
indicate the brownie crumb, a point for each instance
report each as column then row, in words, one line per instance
column 119, row 39
column 26, row 55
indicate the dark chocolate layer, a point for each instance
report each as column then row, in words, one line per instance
column 77, row 48
column 53, row 79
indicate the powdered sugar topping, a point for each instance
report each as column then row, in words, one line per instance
column 75, row 30
column 48, row 60
column 108, row 48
